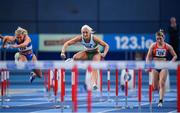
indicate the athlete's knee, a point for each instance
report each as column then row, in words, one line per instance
column 155, row 85
column 95, row 70
column 162, row 83
column 38, row 72
column 97, row 57
column 16, row 56
column 75, row 57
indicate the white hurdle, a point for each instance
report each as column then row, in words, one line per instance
column 112, row 65
column 4, row 87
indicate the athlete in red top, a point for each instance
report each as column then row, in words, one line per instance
column 158, row 51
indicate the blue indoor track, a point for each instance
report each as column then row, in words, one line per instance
column 28, row 98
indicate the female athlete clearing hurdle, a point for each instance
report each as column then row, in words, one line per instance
column 91, row 52
column 158, row 52
column 22, row 41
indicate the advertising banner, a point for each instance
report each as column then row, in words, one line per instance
column 122, row 42
column 55, row 42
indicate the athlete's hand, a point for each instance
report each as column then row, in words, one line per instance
column 63, row 56
column 148, row 70
column 103, row 55
column 14, row 46
column 4, row 47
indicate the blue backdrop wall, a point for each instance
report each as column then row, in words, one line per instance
column 105, row 16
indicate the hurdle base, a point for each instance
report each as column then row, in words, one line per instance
column 50, row 99
column 110, row 100
column 116, row 103
column 57, row 106
column 117, row 106
column 127, row 107
column 60, row 107
column 65, row 107
column 139, row 107
column 7, row 100
column 102, row 100
column 4, row 106
column 150, row 107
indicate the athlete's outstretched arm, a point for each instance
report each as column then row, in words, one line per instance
column 149, row 54
column 68, row 43
column 104, row 44
column 24, row 44
column 173, row 53
column 7, row 39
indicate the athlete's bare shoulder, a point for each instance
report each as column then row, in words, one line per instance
column 73, row 40
column 78, row 38
column 27, row 38
column 152, row 45
column 96, row 38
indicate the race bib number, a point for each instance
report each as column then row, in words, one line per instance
column 161, row 52
column 21, row 49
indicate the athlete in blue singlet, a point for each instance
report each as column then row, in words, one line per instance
column 22, row 41
column 91, row 52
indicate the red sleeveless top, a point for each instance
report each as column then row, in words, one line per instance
column 160, row 53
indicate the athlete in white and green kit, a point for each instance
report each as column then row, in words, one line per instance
column 91, row 52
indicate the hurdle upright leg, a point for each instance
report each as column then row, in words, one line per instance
column 117, row 91
column 3, row 88
column 178, row 88
column 139, row 88
column 7, row 99
column 108, row 83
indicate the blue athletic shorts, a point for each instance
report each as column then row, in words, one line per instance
column 29, row 56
